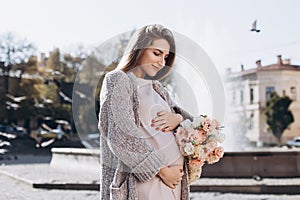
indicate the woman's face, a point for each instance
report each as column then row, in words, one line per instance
column 153, row 58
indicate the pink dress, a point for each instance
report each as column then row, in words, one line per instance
column 150, row 102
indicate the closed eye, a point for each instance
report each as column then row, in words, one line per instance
column 159, row 54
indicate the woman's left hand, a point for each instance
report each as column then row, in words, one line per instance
column 166, row 121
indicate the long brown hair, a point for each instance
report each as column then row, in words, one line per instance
column 142, row 39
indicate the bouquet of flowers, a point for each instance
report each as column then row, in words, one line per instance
column 199, row 141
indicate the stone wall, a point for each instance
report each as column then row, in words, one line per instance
column 273, row 164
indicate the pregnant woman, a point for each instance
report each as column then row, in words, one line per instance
column 139, row 156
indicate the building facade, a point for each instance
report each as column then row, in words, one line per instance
column 249, row 90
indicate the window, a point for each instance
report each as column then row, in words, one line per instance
column 293, row 93
column 269, row 90
column 251, row 121
column 241, row 97
column 251, row 96
column 233, row 97
column 283, row 93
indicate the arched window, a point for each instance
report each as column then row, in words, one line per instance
column 251, row 96
column 293, row 93
column 251, row 121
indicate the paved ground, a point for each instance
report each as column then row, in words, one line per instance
column 19, row 171
column 45, row 173
column 16, row 179
column 14, row 189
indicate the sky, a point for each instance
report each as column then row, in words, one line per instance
column 220, row 27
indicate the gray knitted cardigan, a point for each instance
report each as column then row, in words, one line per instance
column 125, row 157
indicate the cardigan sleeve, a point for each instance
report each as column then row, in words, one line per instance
column 161, row 89
column 123, row 135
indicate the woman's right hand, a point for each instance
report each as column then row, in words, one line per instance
column 172, row 175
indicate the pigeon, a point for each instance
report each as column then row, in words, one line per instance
column 12, row 105
column 81, row 95
column 254, row 27
column 37, row 104
column 65, row 97
column 47, row 118
column 16, row 99
column 257, row 178
column 47, row 100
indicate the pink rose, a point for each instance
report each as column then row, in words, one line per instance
column 199, row 136
column 212, row 158
column 200, row 153
column 215, row 124
column 219, row 152
column 187, row 149
column 181, row 136
column 196, row 163
column 207, row 125
column 211, row 145
column 215, row 155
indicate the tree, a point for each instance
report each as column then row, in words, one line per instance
column 75, row 57
column 64, row 66
column 53, row 62
column 71, row 64
column 13, row 51
column 29, row 67
column 92, row 68
column 278, row 115
column 28, row 109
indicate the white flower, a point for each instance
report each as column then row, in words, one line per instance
column 199, row 152
column 220, row 137
column 197, row 121
column 188, row 149
column 217, row 136
column 186, row 124
column 214, row 132
column 212, row 138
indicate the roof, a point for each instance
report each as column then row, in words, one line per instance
column 280, row 67
column 272, row 67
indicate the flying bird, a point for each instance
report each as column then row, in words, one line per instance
column 47, row 118
column 16, row 99
column 254, row 27
column 81, row 95
column 37, row 104
column 12, row 105
column 47, row 100
column 65, row 97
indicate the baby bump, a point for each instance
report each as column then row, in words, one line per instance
column 156, row 189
